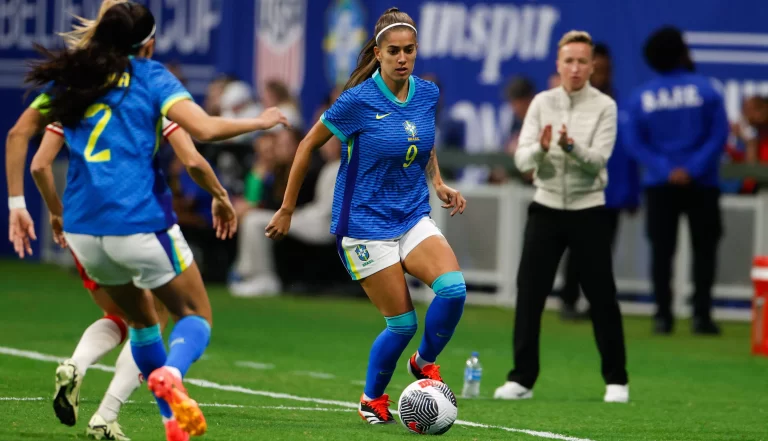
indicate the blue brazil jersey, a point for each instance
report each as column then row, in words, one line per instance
column 381, row 189
column 114, row 184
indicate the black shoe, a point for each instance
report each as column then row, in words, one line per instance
column 375, row 411
column 704, row 326
column 663, row 325
column 570, row 313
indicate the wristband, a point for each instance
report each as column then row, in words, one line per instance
column 15, row 202
column 568, row 148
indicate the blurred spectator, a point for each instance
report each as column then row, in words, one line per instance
column 212, row 103
column 755, row 132
column 519, row 93
column 260, row 172
column 277, row 94
column 237, row 102
column 622, row 192
column 311, row 223
column 679, row 142
column 174, row 67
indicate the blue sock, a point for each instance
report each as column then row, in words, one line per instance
column 443, row 314
column 387, row 348
column 189, row 339
column 149, row 354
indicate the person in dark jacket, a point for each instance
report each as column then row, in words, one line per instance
column 677, row 129
column 621, row 194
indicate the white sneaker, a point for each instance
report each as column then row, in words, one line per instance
column 99, row 428
column 66, row 400
column 512, row 391
column 260, row 286
column 616, row 393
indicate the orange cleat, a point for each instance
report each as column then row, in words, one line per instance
column 185, row 410
column 430, row 371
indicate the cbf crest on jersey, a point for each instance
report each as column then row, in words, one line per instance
column 410, row 129
column 344, row 37
column 280, row 38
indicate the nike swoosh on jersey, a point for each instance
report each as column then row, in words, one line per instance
column 382, row 116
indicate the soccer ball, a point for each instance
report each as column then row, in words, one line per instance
column 427, row 407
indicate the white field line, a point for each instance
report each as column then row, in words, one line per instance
column 32, row 355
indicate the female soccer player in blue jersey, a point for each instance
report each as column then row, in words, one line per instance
column 386, row 119
column 117, row 215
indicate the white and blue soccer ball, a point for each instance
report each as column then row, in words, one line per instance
column 427, row 407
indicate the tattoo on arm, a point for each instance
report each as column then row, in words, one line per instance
column 432, row 169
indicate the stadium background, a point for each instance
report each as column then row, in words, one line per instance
column 273, row 360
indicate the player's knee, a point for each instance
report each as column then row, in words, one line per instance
column 450, row 285
column 403, row 324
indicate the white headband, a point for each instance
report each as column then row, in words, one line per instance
column 392, row 26
column 149, row 37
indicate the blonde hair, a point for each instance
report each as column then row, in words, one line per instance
column 83, row 31
column 576, row 37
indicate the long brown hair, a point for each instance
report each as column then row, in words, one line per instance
column 366, row 61
column 81, row 75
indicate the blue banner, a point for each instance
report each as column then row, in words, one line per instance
column 473, row 47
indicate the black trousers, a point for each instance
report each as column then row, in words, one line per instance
column 702, row 206
column 548, row 233
column 571, row 291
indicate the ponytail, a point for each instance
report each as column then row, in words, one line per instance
column 82, row 75
column 366, row 61
column 366, row 65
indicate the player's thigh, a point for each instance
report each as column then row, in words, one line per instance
column 163, row 263
column 105, row 303
column 185, row 295
column 426, row 253
column 90, row 252
column 388, row 291
column 136, row 303
column 376, row 265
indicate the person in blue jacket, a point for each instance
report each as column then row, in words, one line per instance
column 677, row 129
column 622, row 192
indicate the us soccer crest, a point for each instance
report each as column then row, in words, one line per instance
column 280, row 35
column 362, row 252
column 410, row 129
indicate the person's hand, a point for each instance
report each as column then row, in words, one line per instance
column 452, row 198
column 57, row 226
column 224, row 218
column 564, row 140
column 21, row 229
column 272, row 117
column 679, row 176
column 546, row 137
column 279, row 225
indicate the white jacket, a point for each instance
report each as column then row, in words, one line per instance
column 575, row 180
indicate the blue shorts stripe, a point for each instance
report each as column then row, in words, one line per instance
column 167, row 243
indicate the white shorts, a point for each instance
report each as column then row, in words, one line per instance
column 363, row 258
column 149, row 260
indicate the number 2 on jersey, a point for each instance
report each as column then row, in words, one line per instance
column 104, row 155
column 410, row 155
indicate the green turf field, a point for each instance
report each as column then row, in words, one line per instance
column 682, row 388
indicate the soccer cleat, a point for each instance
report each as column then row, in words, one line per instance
column 616, row 393
column 512, row 391
column 428, row 372
column 99, row 428
column 66, row 401
column 174, row 433
column 185, row 410
column 375, row 411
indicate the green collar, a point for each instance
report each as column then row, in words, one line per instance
column 388, row 93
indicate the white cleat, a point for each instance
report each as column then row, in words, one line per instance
column 99, row 428
column 66, row 400
column 616, row 393
column 512, row 391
